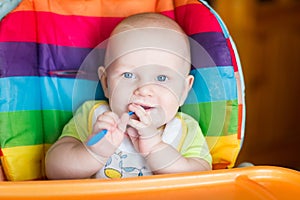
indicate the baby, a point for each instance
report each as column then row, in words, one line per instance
column 146, row 72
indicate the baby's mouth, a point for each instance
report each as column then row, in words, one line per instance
column 147, row 107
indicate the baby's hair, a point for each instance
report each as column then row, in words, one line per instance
column 149, row 19
column 154, row 21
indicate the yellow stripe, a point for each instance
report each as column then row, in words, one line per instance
column 96, row 8
column 224, row 149
column 24, row 162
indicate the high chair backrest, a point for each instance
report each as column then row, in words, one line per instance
column 43, row 43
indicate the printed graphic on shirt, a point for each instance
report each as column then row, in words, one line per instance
column 118, row 166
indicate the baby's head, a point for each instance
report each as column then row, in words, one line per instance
column 147, row 63
column 148, row 31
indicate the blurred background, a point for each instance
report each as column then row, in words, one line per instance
column 267, row 36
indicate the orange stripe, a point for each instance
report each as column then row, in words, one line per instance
column 240, row 119
column 178, row 3
column 112, row 8
column 96, row 8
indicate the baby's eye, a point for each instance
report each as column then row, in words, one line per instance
column 162, row 78
column 128, row 75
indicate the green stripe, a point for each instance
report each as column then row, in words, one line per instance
column 24, row 128
column 215, row 118
column 53, row 124
column 234, row 117
column 20, row 128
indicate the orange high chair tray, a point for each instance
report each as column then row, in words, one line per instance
column 264, row 183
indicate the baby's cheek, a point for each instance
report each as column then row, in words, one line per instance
column 120, row 97
column 170, row 108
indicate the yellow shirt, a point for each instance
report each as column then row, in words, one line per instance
column 182, row 132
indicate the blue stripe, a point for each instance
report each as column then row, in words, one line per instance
column 46, row 93
column 6, row 6
column 213, row 84
column 53, row 93
column 19, row 93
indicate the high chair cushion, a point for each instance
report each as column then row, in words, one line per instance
column 43, row 45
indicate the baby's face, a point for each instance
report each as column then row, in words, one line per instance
column 155, row 79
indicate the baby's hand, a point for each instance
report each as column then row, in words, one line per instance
column 115, row 127
column 143, row 133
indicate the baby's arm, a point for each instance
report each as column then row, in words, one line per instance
column 193, row 156
column 164, row 159
column 70, row 158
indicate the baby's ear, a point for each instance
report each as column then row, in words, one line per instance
column 188, row 85
column 103, row 79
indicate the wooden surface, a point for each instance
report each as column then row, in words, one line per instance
column 267, row 36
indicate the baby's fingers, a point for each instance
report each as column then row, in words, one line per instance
column 108, row 117
column 103, row 126
column 136, row 124
column 123, row 122
column 107, row 120
column 141, row 114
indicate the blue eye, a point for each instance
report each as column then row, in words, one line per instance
column 128, row 75
column 162, row 78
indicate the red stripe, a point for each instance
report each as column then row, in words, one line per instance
column 50, row 28
column 196, row 18
column 86, row 32
column 233, row 58
column 1, row 153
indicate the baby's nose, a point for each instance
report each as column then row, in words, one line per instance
column 145, row 90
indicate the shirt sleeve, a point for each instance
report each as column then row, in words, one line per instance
column 194, row 144
column 78, row 126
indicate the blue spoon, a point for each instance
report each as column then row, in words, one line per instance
column 96, row 138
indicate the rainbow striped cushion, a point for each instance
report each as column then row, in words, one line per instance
column 42, row 42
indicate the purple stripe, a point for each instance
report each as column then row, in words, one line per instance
column 31, row 59
column 211, row 48
column 18, row 59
